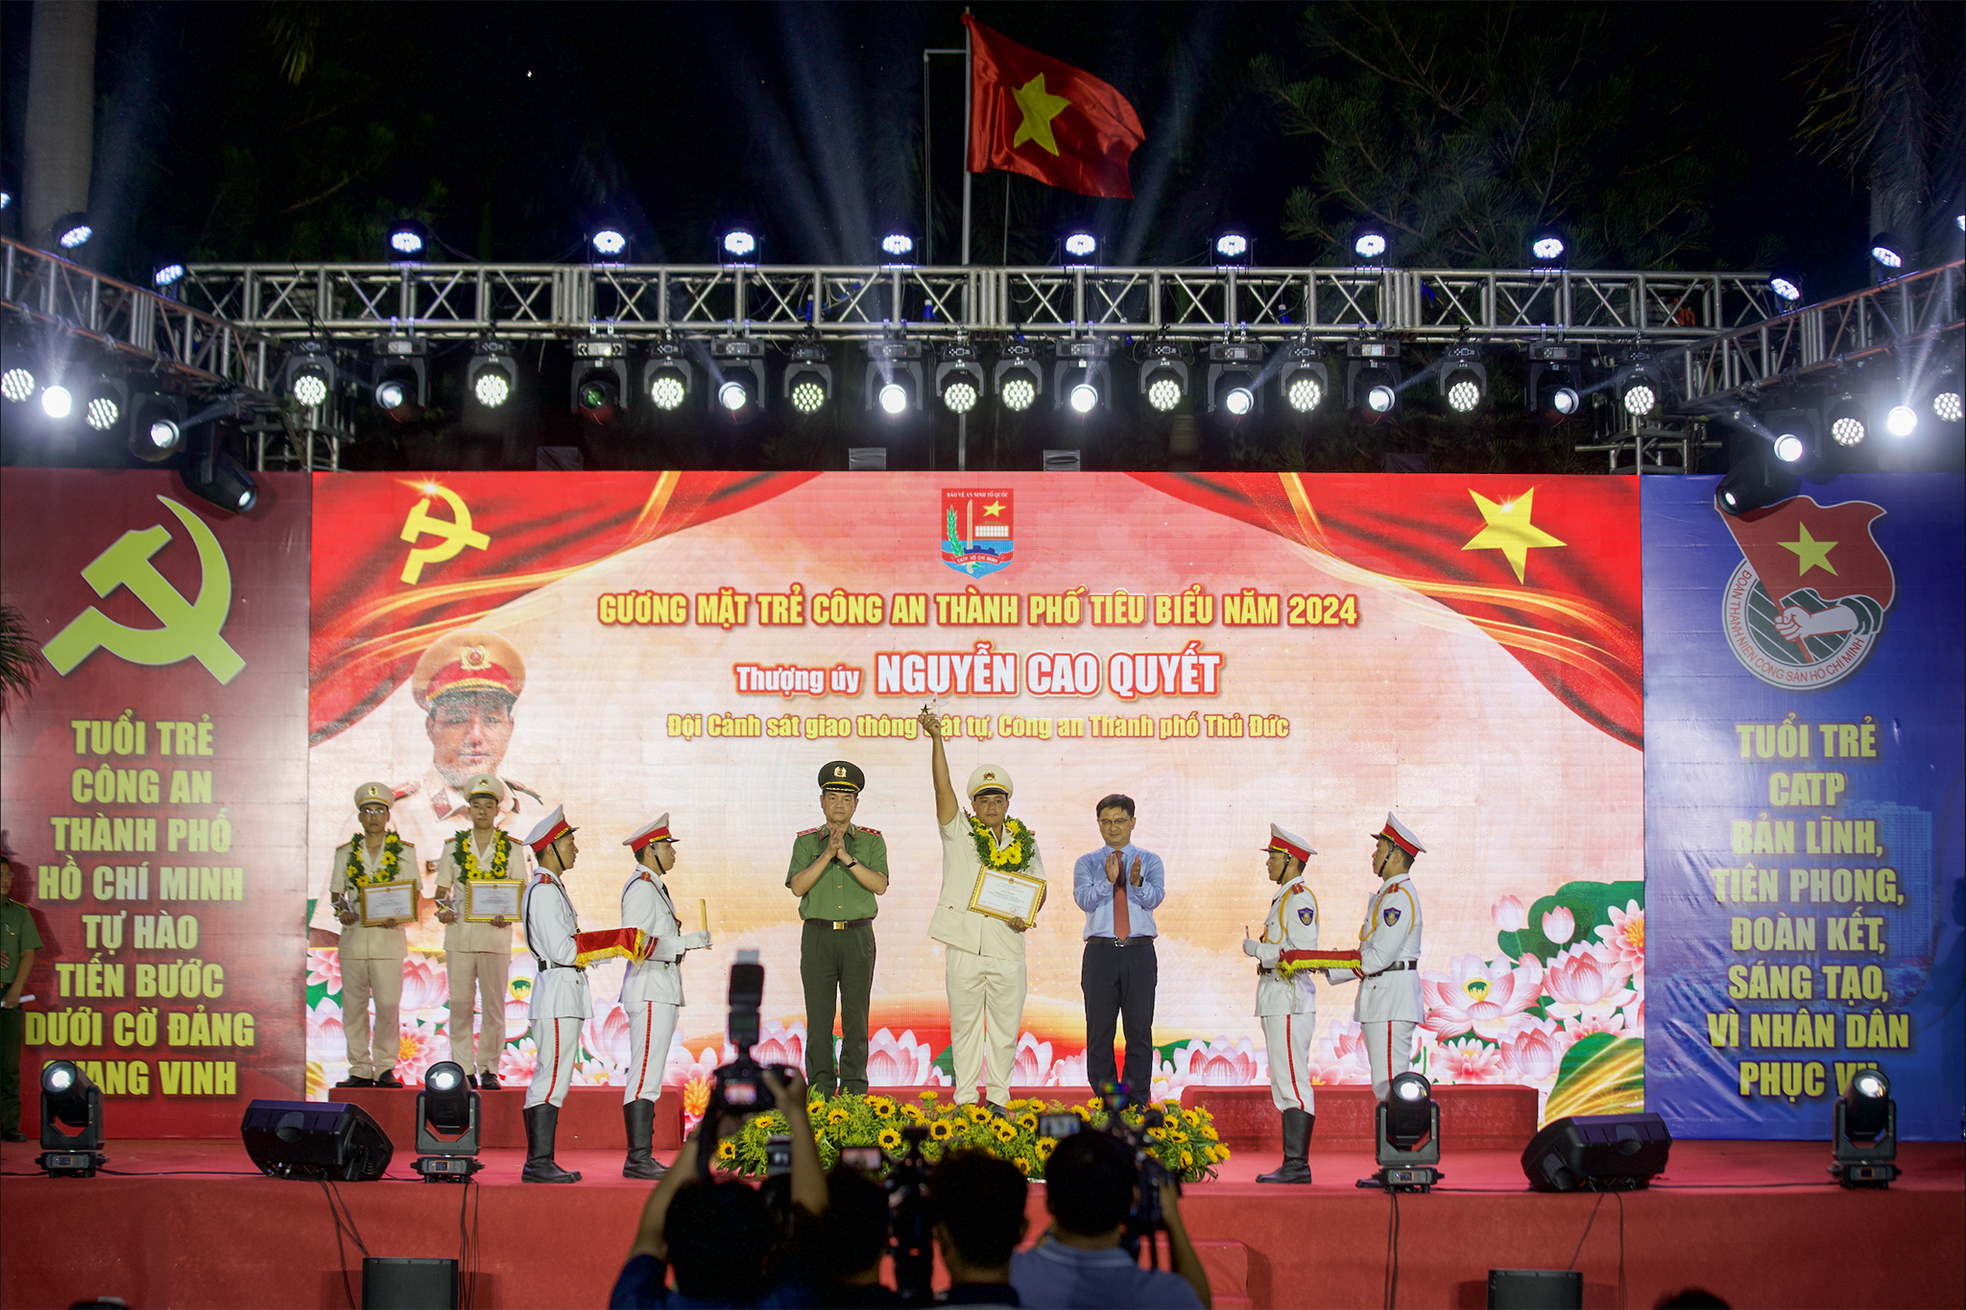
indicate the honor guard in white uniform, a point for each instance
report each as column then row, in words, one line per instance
column 1389, row 1003
column 478, row 955
column 560, row 1003
column 652, row 989
column 1286, row 999
column 371, row 956
column 984, row 965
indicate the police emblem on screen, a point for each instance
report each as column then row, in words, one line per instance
column 977, row 531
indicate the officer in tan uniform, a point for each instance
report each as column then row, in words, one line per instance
column 371, row 956
column 478, row 956
column 1286, row 999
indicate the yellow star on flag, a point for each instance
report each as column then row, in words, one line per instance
column 993, row 510
column 1812, row 553
column 1508, row 529
column 1039, row 107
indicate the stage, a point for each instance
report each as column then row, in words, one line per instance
column 189, row 1223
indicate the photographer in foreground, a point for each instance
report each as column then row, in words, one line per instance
column 1090, row 1183
column 720, row 1237
column 976, row 1203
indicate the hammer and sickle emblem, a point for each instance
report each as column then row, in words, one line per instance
column 191, row 628
column 456, row 533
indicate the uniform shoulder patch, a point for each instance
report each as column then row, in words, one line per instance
column 1307, row 914
column 871, row 832
column 1390, row 914
column 809, row 831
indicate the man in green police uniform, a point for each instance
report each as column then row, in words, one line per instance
column 19, row 940
column 836, row 872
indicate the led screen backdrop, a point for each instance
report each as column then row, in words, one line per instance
column 1803, row 782
column 1228, row 650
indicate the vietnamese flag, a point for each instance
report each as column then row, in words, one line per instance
column 1829, row 548
column 1034, row 115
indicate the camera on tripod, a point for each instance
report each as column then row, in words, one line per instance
column 1145, row 1218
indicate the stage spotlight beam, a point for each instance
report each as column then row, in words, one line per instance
column 1234, row 370
column 1372, row 379
column 402, row 377
column 894, row 377
column 739, row 390
column 1081, row 377
column 57, row 401
column 156, row 426
column 1901, row 421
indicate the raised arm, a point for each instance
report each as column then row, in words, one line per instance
column 938, row 765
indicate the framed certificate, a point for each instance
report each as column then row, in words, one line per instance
column 485, row 901
column 1004, row 895
column 383, row 901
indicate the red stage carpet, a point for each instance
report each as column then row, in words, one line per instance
column 186, row 1223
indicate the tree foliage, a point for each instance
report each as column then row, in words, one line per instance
column 1463, row 127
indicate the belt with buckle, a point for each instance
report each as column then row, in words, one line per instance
column 1122, row 941
column 841, row 925
column 1395, row 967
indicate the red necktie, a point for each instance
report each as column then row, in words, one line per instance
column 1122, row 916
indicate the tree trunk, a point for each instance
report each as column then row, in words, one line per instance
column 61, row 91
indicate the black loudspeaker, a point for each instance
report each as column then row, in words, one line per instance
column 413, row 1283
column 1597, row 1152
column 315, row 1139
column 1535, row 1289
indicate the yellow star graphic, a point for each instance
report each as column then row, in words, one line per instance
column 1812, row 553
column 1509, row 530
column 993, row 510
column 1039, row 107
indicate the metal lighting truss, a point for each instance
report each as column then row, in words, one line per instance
column 133, row 324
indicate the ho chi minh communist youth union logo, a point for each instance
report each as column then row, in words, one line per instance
column 1808, row 600
column 976, row 530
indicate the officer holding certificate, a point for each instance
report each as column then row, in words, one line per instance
column 478, row 952
column 372, row 953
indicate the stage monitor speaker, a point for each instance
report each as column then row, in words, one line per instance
column 1597, row 1152
column 408, row 1283
column 1535, row 1289
column 315, row 1139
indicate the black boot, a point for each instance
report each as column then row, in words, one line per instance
column 639, row 1117
column 1296, row 1149
column 541, row 1123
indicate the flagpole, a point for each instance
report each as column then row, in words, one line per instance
column 969, row 111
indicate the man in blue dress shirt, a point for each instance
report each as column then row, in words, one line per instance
column 1118, row 887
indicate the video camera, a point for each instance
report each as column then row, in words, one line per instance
column 1145, row 1218
column 738, row 1088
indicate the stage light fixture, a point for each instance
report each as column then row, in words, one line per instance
column 1234, row 371
column 447, row 1113
column 309, row 374
column 1163, row 375
column 666, row 376
column 70, row 1100
column 1848, row 423
column 1794, row 437
column 166, row 272
column 600, row 378
column 1901, row 421
column 1888, row 252
column 1233, row 248
column 1548, row 250
column 215, row 474
column 1640, row 389
column 1081, row 249
column 1786, row 285
column 1016, row 377
column 808, row 378
column 959, row 378
column 73, row 230
column 408, row 241
column 108, row 398
column 1946, row 406
column 1755, row 482
column 1462, row 379
column 894, row 377
column 1081, row 380
column 1864, row 1141
column 1372, row 379
column 402, row 377
column 491, row 374
column 740, row 246
column 1306, row 380
column 1407, row 1136
column 739, row 364
column 1555, row 380
column 17, row 384
column 1369, row 244
column 899, row 248
column 156, row 426
column 57, row 402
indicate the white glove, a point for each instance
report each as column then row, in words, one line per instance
column 1249, row 947
column 696, row 941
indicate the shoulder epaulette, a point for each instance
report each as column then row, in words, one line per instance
column 809, row 831
column 872, row 832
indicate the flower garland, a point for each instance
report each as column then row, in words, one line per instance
column 467, row 860
column 392, row 860
column 1015, row 856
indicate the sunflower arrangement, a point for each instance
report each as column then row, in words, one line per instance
column 1185, row 1142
